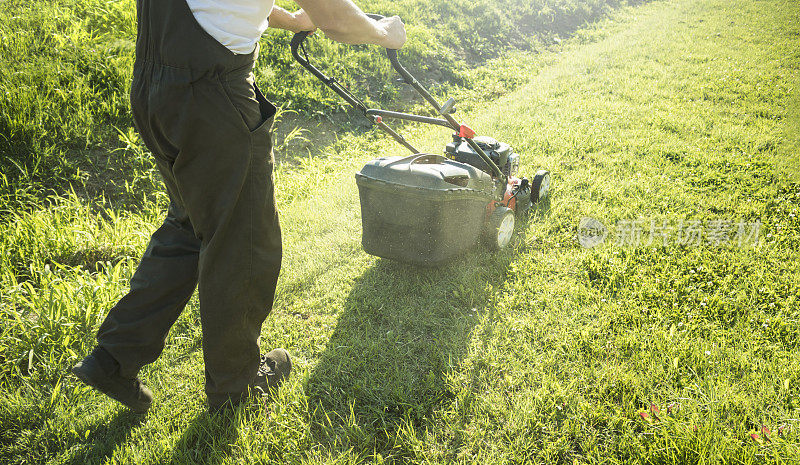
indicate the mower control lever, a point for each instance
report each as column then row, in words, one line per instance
column 448, row 107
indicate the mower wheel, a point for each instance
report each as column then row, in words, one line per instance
column 540, row 186
column 500, row 227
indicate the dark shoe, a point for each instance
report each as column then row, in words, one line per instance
column 100, row 371
column 275, row 366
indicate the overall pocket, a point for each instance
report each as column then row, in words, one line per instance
column 257, row 113
column 261, row 136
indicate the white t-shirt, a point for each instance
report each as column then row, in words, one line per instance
column 236, row 24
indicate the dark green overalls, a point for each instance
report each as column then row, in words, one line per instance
column 209, row 127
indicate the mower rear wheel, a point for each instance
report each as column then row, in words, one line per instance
column 500, row 227
column 540, row 186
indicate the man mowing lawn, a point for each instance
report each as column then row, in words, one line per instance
column 197, row 108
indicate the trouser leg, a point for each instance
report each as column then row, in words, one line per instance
column 227, row 187
column 135, row 329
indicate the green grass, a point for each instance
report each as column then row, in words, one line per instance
column 546, row 353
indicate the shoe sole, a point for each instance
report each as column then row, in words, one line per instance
column 88, row 376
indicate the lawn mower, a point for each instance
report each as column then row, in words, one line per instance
column 428, row 208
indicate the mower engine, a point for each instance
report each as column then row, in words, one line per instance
column 517, row 196
column 501, row 154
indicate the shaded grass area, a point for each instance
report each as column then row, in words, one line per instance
column 547, row 353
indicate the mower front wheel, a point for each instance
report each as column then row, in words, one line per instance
column 540, row 186
column 500, row 228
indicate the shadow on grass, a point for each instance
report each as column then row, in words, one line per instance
column 207, row 439
column 401, row 331
column 106, row 437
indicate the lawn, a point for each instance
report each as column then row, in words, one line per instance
column 658, row 119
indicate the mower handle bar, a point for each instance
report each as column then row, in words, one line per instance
column 376, row 115
column 355, row 102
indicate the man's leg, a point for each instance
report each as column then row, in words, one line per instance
column 134, row 331
column 136, row 328
column 224, row 176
